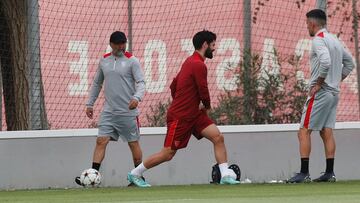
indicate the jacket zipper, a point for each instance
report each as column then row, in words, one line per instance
column 114, row 64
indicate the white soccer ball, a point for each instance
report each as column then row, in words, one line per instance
column 90, row 178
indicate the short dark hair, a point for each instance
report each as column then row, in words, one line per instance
column 118, row 37
column 317, row 14
column 201, row 37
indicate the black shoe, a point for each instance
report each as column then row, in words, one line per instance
column 326, row 177
column 132, row 184
column 77, row 181
column 300, row 178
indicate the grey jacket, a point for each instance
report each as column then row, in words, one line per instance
column 124, row 80
column 330, row 60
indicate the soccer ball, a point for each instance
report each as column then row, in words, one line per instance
column 90, row 178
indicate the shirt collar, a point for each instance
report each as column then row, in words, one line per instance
column 198, row 56
column 320, row 31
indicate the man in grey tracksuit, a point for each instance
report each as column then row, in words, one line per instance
column 124, row 89
column 330, row 64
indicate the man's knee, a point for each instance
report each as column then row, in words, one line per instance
column 102, row 141
column 326, row 133
column 219, row 139
column 304, row 133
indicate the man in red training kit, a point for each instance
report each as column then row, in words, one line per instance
column 187, row 116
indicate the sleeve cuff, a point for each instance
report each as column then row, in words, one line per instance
column 136, row 98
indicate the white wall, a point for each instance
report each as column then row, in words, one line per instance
column 43, row 159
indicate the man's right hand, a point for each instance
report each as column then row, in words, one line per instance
column 89, row 112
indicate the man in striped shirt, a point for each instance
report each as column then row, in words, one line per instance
column 330, row 64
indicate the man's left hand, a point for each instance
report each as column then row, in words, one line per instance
column 133, row 104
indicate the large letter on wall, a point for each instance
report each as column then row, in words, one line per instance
column 151, row 47
column 302, row 46
column 79, row 67
column 228, row 64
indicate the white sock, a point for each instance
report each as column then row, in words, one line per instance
column 224, row 169
column 139, row 170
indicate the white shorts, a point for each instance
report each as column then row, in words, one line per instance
column 320, row 111
column 115, row 126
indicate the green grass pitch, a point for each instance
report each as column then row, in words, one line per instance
column 343, row 192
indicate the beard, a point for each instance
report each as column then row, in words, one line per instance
column 209, row 53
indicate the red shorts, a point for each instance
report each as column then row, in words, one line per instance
column 179, row 131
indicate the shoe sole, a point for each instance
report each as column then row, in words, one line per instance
column 228, row 183
column 331, row 180
column 134, row 184
column 304, row 181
